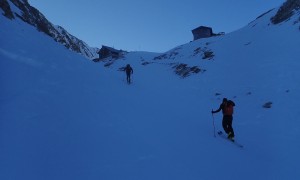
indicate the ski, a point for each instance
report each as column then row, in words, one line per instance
column 223, row 135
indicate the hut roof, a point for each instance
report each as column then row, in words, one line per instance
column 201, row 27
column 110, row 49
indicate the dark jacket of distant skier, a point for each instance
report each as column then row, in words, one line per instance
column 227, row 109
column 128, row 69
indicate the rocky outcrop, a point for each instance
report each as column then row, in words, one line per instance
column 6, row 9
column 286, row 11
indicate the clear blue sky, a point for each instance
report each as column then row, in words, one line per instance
column 149, row 25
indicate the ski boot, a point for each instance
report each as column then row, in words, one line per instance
column 230, row 136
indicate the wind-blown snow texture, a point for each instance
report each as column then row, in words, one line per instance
column 63, row 117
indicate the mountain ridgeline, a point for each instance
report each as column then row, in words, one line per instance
column 21, row 9
column 194, row 57
column 32, row 16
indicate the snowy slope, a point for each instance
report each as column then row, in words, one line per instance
column 62, row 117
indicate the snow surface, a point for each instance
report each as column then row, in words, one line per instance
column 64, row 117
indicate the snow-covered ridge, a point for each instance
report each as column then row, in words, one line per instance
column 262, row 35
column 22, row 9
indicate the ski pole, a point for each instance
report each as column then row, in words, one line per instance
column 214, row 124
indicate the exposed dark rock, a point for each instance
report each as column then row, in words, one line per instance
column 169, row 55
column 184, row 71
column 6, row 8
column 208, row 55
column 248, row 43
column 108, row 64
column 197, row 51
column 264, row 13
column 145, row 63
column 286, row 11
column 267, row 105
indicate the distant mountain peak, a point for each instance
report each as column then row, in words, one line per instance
column 33, row 17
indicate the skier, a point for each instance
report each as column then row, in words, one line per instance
column 227, row 110
column 128, row 69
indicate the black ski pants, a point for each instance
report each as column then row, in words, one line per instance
column 128, row 77
column 227, row 124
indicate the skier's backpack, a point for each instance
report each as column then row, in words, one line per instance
column 128, row 69
column 228, row 109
